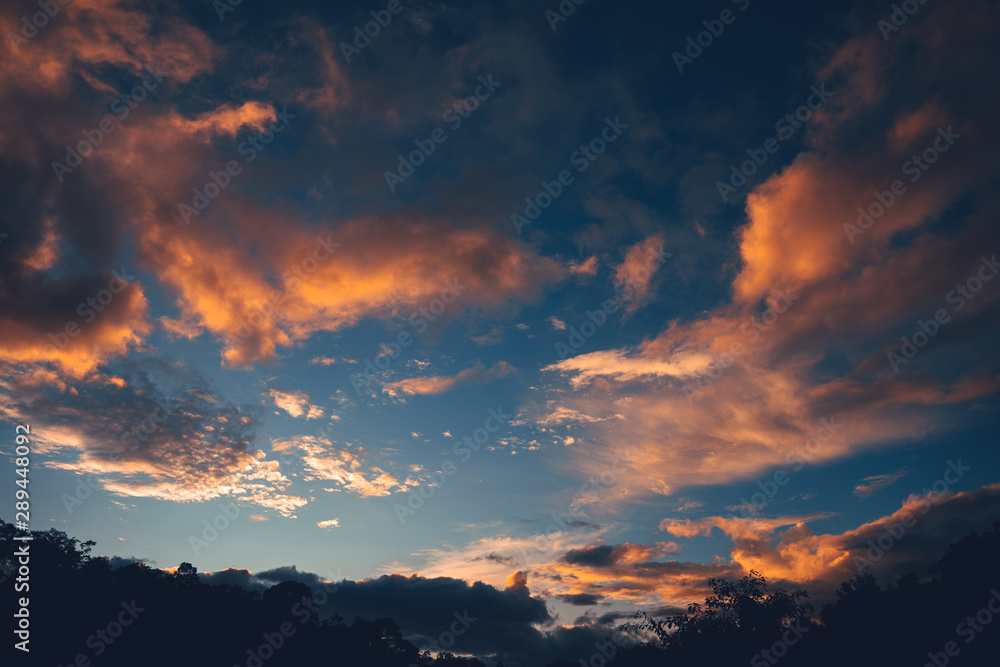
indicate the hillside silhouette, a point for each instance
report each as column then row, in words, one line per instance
column 948, row 615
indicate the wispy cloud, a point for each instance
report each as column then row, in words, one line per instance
column 870, row 485
column 438, row 384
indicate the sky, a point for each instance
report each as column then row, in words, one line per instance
column 586, row 302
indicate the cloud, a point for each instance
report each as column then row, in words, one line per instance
column 295, row 403
column 581, row 599
column 870, row 485
column 70, row 229
column 440, row 383
column 635, row 273
column 329, row 523
column 556, row 323
column 786, row 549
column 607, row 555
column 333, row 93
column 586, row 268
column 110, row 34
column 732, row 392
column 689, row 505
column 329, row 361
column 255, row 292
column 155, row 430
column 497, row 619
column 350, row 468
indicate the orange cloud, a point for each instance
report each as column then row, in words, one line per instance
column 784, row 549
column 732, row 392
column 914, row 125
column 275, row 291
column 98, row 324
column 295, row 403
column 636, row 272
column 889, row 545
column 103, row 32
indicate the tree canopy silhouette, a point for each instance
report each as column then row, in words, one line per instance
column 173, row 618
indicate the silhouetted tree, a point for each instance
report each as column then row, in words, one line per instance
column 181, row 620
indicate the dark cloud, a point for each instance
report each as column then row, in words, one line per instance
column 234, row 577
column 602, row 556
column 423, row 608
column 581, row 599
column 118, row 562
column 290, row 573
column 497, row 558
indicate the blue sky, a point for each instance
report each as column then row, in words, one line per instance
column 703, row 339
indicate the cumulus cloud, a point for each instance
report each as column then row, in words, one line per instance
column 496, row 621
column 253, row 291
column 295, row 403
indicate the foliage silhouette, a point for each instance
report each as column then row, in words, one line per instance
column 904, row 623
column 180, row 620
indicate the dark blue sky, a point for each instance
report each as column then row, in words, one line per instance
column 488, row 289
